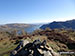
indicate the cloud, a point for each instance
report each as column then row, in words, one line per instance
column 55, row 19
column 64, row 19
column 59, row 19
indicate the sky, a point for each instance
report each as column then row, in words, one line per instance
column 36, row 11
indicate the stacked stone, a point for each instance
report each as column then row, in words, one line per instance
column 36, row 48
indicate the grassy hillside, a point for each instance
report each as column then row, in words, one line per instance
column 58, row 39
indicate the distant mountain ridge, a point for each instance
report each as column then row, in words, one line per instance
column 19, row 26
column 70, row 24
column 15, row 25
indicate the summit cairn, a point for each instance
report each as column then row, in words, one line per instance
column 36, row 48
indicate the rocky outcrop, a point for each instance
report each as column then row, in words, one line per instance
column 36, row 48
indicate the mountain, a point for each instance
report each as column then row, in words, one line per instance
column 14, row 26
column 19, row 26
column 70, row 24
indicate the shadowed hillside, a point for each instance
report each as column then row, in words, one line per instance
column 66, row 25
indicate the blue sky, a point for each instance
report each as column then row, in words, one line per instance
column 36, row 11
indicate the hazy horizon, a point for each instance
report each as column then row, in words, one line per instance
column 36, row 11
column 37, row 23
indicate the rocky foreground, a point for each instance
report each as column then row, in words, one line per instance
column 35, row 48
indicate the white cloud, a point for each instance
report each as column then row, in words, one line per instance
column 56, row 19
column 64, row 19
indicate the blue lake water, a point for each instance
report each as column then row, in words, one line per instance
column 31, row 29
